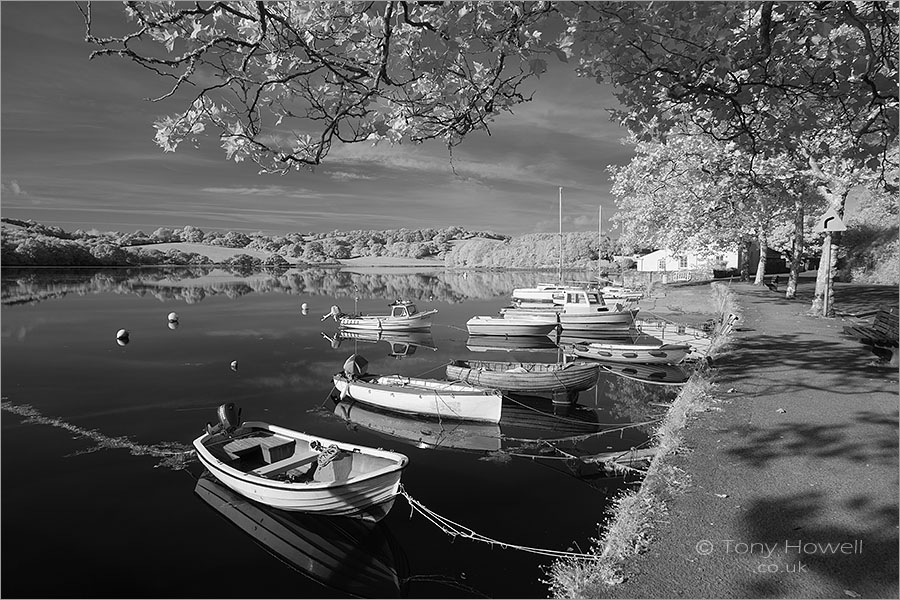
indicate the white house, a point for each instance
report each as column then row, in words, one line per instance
column 663, row 260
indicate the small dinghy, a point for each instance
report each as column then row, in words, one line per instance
column 631, row 353
column 432, row 397
column 294, row 471
column 525, row 376
column 513, row 325
column 657, row 374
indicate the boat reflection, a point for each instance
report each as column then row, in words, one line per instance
column 422, row 431
column 599, row 335
column 353, row 557
column 524, row 343
column 523, row 417
column 402, row 343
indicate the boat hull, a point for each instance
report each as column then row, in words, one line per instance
column 430, row 397
column 632, row 353
column 656, row 374
column 531, row 325
column 575, row 319
column 354, row 496
column 525, row 377
column 417, row 322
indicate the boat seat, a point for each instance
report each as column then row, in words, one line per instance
column 294, row 461
column 273, row 448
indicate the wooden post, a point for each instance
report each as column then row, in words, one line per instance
column 827, row 260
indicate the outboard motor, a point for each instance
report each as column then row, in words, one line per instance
column 335, row 313
column 229, row 417
column 355, row 366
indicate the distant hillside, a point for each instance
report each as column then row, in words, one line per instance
column 27, row 243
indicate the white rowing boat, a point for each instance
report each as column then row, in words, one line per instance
column 415, row 395
column 295, row 471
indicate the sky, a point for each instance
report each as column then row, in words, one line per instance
column 77, row 151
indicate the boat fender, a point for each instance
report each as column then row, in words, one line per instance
column 355, row 366
column 229, row 417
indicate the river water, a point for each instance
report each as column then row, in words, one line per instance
column 95, row 504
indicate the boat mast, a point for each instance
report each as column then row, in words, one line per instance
column 560, row 236
column 599, row 241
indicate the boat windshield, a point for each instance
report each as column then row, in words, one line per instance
column 403, row 311
column 594, row 298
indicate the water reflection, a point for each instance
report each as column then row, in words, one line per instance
column 194, row 284
column 400, row 343
column 523, row 418
column 420, row 431
column 351, row 556
column 520, row 343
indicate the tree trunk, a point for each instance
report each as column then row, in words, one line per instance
column 834, row 191
column 796, row 252
column 761, row 266
column 745, row 260
column 818, row 302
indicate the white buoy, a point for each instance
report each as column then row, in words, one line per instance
column 234, row 365
column 173, row 316
column 122, row 334
column 304, row 306
column 173, row 324
column 304, row 311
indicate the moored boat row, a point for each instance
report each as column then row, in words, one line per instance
column 295, row 471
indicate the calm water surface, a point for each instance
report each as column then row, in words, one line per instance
column 91, row 508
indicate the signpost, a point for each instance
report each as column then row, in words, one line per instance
column 829, row 222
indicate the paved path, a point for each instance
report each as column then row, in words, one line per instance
column 794, row 474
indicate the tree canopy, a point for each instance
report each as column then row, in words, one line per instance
column 280, row 82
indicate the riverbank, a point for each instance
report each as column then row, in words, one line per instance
column 784, row 482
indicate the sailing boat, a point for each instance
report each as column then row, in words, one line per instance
column 577, row 306
column 545, row 294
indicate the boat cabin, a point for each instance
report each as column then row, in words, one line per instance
column 403, row 308
column 586, row 298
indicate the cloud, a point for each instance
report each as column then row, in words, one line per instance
column 581, row 221
column 267, row 191
column 14, row 188
column 348, row 176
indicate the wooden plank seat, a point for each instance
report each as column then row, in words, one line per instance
column 273, row 448
column 297, row 460
column 881, row 336
column 882, row 332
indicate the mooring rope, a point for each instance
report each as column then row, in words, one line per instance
column 442, row 366
column 454, row 530
column 558, row 417
column 585, row 436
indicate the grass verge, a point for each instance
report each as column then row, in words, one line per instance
column 628, row 529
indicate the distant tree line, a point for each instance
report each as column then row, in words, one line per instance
column 36, row 244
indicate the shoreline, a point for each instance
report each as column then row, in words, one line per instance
column 628, row 530
column 772, row 452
